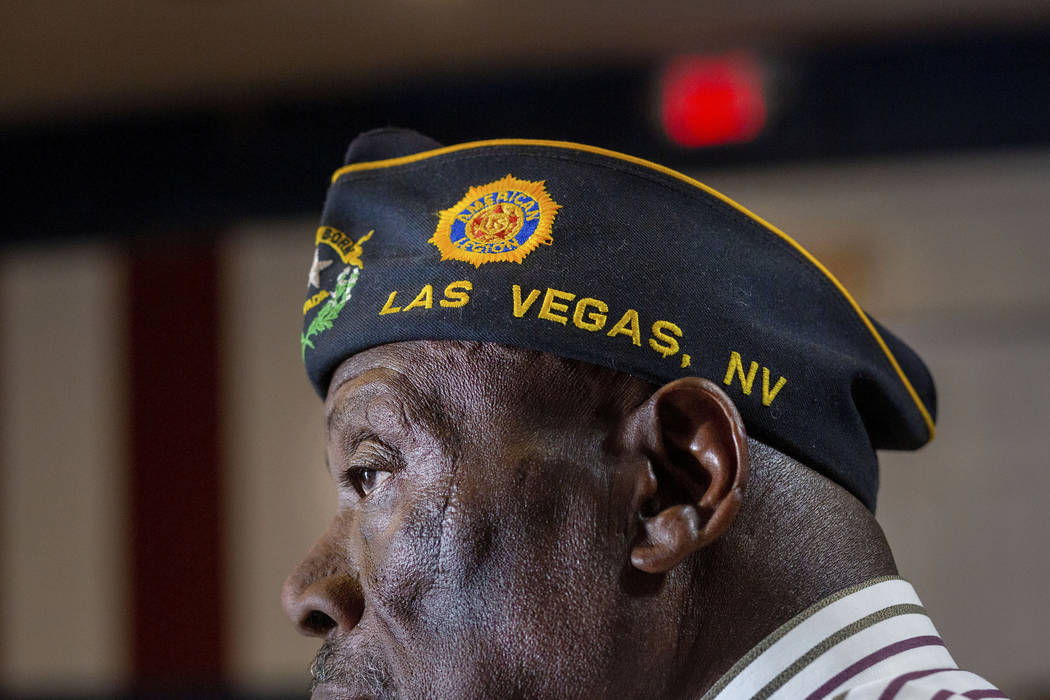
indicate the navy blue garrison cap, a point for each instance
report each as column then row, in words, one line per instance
column 610, row 259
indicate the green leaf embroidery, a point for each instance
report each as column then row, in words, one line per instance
column 326, row 316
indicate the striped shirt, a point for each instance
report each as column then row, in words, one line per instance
column 870, row 641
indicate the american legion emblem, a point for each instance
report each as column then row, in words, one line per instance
column 502, row 221
column 348, row 251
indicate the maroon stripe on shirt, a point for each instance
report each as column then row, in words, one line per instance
column 989, row 693
column 942, row 694
column 872, row 659
column 893, row 688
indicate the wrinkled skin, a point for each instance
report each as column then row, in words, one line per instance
column 492, row 556
column 513, row 524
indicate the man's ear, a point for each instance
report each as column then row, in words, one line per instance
column 689, row 492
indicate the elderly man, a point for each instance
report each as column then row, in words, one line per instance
column 597, row 431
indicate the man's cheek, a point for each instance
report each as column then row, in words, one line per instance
column 470, row 534
column 400, row 562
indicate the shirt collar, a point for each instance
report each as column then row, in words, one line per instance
column 861, row 633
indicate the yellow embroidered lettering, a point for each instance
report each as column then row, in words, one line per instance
column 315, row 300
column 663, row 343
column 737, row 363
column 456, row 294
column 349, row 251
column 685, row 360
column 628, row 325
column 767, row 395
column 388, row 307
column 549, row 306
column 595, row 320
column 424, row 299
column 521, row 307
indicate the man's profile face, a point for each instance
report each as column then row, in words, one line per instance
column 481, row 544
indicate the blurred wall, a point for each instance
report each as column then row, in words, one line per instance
column 62, row 532
column 948, row 251
column 85, row 58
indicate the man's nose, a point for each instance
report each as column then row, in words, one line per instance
column 323, row 595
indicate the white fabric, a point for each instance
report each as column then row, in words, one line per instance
column 866, row 638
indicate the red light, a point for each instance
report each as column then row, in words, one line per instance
column 712, row 100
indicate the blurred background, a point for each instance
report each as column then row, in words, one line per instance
column 164, row 164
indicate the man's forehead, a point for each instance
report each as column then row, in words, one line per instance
column 467, row 370
column 382, row 357
column 458, row 365
column 413, row 359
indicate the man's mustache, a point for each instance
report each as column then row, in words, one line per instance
column 360, row 671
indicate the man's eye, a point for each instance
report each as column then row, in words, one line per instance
column 364, row 480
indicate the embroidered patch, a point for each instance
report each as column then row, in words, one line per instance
column 349, row 252
column 502, row 221
column 348, row 249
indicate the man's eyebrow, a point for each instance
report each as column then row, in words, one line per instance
column 358, row 436
column 353, row 441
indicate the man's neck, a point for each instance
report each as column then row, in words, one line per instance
column 773, row 566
